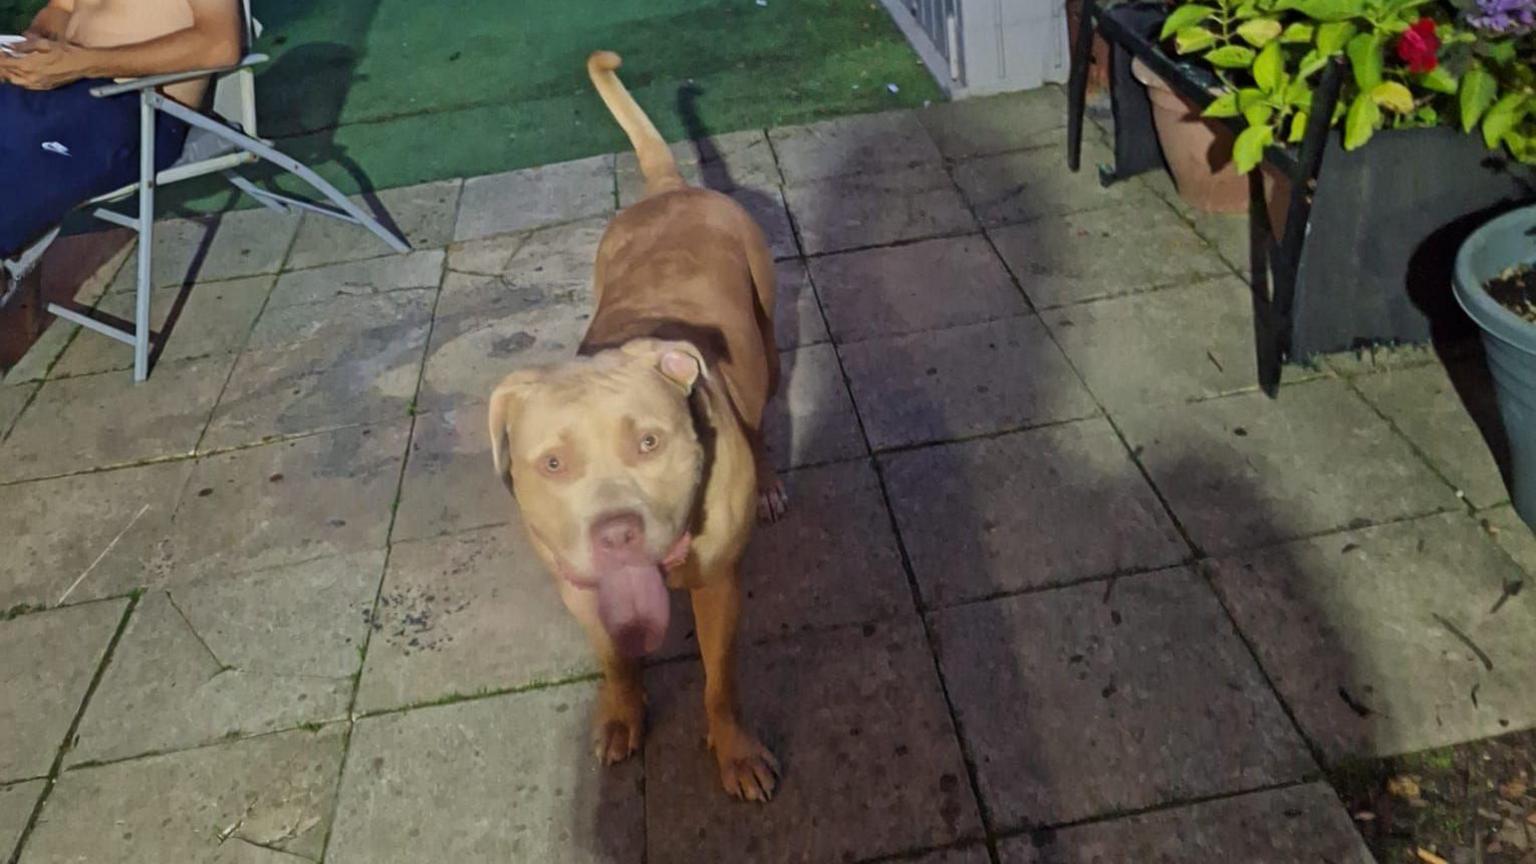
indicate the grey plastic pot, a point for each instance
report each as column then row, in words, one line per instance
column 1508, row 340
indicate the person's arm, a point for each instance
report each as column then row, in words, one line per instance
column 213, row 41
column 51, row 21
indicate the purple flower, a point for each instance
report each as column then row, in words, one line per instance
column 1504, row 16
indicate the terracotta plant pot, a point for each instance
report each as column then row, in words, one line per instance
column 1198, row 151
column 1098, row 70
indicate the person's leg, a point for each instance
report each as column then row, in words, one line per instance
column 60, row 148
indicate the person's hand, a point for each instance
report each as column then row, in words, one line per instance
column 42, row 64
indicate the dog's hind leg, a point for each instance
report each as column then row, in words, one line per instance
column 772, row 499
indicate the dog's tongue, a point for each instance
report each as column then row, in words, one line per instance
column 632, row 602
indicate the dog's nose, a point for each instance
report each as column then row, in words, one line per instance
column 620, row 532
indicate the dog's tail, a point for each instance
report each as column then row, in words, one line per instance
column 656, row 162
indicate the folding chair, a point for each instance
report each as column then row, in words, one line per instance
column 219, row 141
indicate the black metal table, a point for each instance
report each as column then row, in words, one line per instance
column 1132, row 30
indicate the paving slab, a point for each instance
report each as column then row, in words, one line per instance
column 287, row 502
column 105, row 420
column 831, row 561
column 1452, row 417
column 215, row 248
column 1370, row 359
column 1102, row 253
column 86, row 536
column 811, row 420
column 1031, row 184
column 265, row 800
column 963, row 381
column 1026, row 510
column 797, row 319
column 424, row 214
column 14, row 398
column 51, row 658
column 858, row 722
column 1514, row 536
column 724, row 162
column 490, row 326
column 450, row 482
column 1368, row 635
column 211, row 318
column 973, row 854
column 16, row 804
column 1161, row 347
column 232, row 656
column 519, row 200
column 467, row 614
column 356, row 360
column 1294, row 825
column 854, row 211
column 336, row 320
column 1245, row 470
column 1229, row 235
column 926, row 285
column 967, row 128
column 43, row 355
column 423, row 269
column 510, row 778
column 768, row 207
column 1096, row 699
column 556, row 257
column 862, row 144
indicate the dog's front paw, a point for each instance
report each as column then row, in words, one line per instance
column 772, row 500
column 619, row 726
column 747, row 769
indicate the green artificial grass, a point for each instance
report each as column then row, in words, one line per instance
column 384, row 93
column 15, row 15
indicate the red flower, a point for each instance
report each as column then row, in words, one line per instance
column 1417, row 46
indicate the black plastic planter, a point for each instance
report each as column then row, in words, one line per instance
column 1508, row 340
column 1386, row 222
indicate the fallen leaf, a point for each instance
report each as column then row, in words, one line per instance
column 1531, row 817
column 1514, row 790
column 1429, row 857
column 1403, row 786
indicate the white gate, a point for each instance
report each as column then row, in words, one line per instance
column 976, row 47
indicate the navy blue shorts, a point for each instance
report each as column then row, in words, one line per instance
column 60, row 148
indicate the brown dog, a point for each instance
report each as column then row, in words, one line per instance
column 638, row 465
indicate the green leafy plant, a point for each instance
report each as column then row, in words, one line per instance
column 1408, row 62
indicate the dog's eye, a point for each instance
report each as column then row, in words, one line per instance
column 648, row 443
column 552, row 464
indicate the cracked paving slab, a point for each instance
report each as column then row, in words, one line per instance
column 50, row 658
column 233, row 655
column 265, row 800
column 86, row 536
column 16, row 804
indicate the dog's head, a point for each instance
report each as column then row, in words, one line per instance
column 605, row 460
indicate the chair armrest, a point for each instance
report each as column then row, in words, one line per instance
column 149, row 82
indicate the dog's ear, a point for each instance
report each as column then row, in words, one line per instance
column 506, row 401
column 679, row 362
